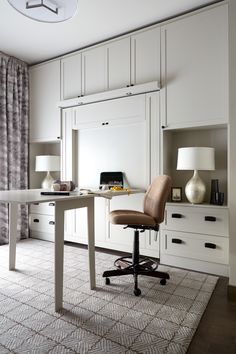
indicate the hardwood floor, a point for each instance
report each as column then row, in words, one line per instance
column 216, row 333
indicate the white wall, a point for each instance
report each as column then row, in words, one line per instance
column 232, row 140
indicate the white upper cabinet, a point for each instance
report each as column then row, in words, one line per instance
column 71, row 76
column 145, row 57
column 106, row 67
column 195, row 69
column 118, row 64
column 44, row 96
column 94, row 70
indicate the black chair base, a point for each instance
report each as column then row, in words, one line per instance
column 138, row 266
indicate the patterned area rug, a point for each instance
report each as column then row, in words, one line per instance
column 109, row 320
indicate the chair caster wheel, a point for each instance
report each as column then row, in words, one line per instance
column 163, row 281
column 137, row 292
column 107, row 281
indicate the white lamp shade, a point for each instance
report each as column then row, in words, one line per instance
column 196, row 158
column 47, row 163
column 46, row 10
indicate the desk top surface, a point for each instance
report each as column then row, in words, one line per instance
column 29, row 196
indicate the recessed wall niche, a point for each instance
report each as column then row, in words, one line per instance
column 50, row 148
column 213, row 137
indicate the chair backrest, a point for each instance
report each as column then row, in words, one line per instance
column 156, row 197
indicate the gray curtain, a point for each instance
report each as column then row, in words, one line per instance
column 14, row 126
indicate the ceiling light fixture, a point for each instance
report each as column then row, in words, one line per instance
column 46, row 10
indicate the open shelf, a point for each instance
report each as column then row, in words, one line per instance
column 215, row 137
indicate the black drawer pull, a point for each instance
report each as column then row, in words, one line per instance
column 210, row 245
column 210, row 218
column 177, row 216
column 35, row 203
column 36, row 220
column 51, row 222
column 51, row 204
column 176, row 240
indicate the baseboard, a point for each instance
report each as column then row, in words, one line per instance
column 232, row 293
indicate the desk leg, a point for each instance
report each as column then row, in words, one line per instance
column 13, row 214
column 91, row 246
column 59, row 254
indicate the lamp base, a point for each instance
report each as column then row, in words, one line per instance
column 47, row 182
column 195, row 189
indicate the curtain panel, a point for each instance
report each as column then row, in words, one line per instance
column 14, row 135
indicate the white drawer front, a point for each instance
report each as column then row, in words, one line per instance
column 42, row 208
column 202, row 247
column 211, row 221
column 43, row 223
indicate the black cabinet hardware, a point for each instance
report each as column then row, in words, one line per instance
column 58, row 137
column 210, row 218
column 176, row 240
column 176, row 216
column 163, row 127
column 210, row 245
column 51, row 222
column 127, row 85
column 51, row 204
column 132, row 85
column 36, row 220
column 35, row 203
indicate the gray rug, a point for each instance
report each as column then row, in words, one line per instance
column 109, row 320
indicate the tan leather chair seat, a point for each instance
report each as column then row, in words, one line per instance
column 131, row 217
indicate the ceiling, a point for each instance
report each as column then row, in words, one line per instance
column 96, row 20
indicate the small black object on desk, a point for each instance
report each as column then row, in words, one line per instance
column 55, row 193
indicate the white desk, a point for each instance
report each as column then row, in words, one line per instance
column 62, row 203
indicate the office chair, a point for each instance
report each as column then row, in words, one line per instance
column 152, row 215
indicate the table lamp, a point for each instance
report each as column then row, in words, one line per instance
column 47, row 163
column 196, row 158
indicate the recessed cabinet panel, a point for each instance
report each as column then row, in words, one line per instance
column 94, row 64
column 145, row 60
column 44, row 96
column 195, row 69
column 71, row 76
column 118, row 54
column 120, row 111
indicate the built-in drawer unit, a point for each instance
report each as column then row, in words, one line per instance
column 42, row 223
column 197, row 219
column 43, row 208
column 196, row 237
column 197, row 246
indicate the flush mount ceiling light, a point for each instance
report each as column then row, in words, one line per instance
column 46, row 10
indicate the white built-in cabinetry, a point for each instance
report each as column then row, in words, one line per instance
column 71, row 76
column 195, row 69
column 123, row 143
column 44, row 97
column 188, row 56
column 196, row 237
column 145, row 56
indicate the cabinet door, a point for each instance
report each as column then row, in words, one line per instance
column 126, row 110
column 145, row 60
column 71, row 76
column 195, row 69
column 81, row 223
column 44, row 96
column 94, row 64
column 118, row 57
